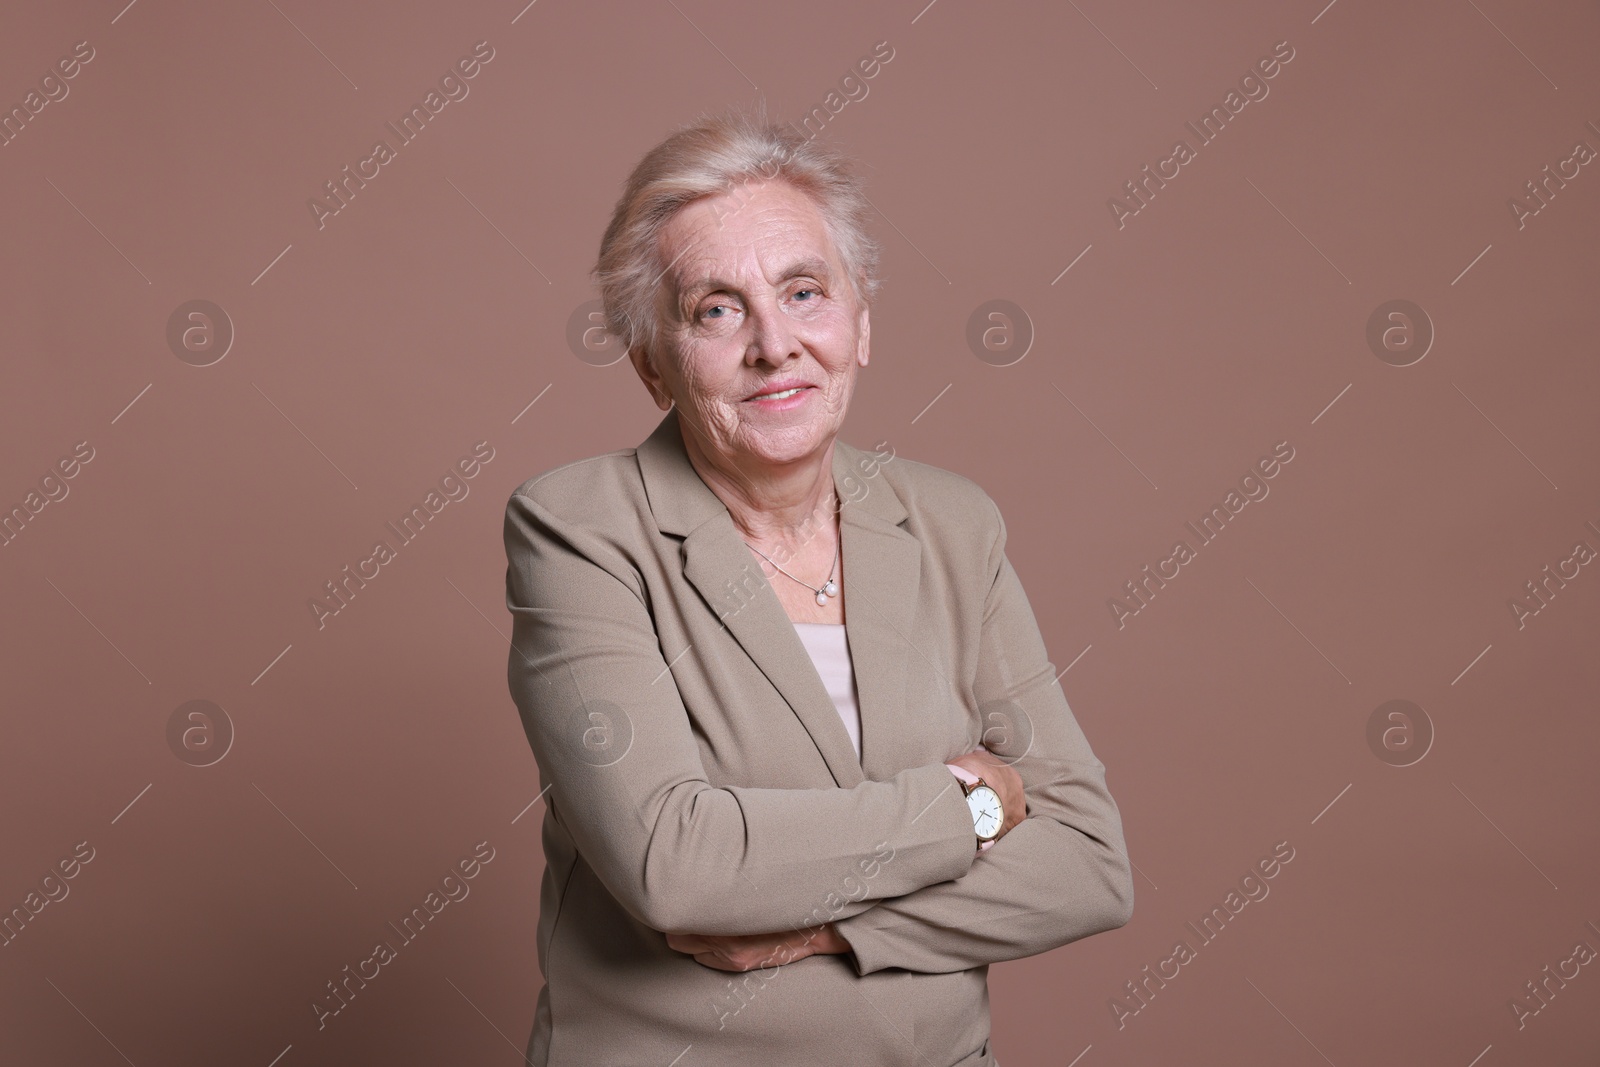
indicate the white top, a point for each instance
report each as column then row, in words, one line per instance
column 830, row 652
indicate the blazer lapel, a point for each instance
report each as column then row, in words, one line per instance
column 718, row 564
column 882, row 579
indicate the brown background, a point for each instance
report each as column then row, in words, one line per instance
column 1230, row 314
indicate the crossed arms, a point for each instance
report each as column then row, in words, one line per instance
column 688, row 858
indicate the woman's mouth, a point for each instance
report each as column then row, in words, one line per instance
column 782, row 396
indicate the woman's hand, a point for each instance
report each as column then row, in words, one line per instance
column 747, row 952
column 1000, row 776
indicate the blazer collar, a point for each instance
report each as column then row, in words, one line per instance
column 881, row 567
column 681, row 502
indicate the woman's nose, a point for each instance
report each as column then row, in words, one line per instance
column 772, row 336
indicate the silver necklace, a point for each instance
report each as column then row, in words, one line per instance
column 824, row 591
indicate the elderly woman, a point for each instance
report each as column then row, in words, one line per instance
column 809, row 771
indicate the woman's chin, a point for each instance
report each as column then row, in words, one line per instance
column 777, row 446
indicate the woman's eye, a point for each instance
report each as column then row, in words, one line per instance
column 802, row 292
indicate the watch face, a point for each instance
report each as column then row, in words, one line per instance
column 986, row 813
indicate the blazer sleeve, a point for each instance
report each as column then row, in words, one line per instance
column 1060, row 875
column 616, row 750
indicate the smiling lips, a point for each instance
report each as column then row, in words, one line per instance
column 778, row 392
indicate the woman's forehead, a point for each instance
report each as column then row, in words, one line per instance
column 768, row 233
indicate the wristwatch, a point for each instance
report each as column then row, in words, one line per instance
column 988, row 814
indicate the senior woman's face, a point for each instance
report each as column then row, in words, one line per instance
column 756, row 304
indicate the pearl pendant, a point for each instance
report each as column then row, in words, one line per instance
column 831, row 589
column 822, row 599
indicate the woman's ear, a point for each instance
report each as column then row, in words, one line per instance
column 864, row 343
column 645, row 366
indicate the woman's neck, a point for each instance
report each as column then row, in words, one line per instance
column 782, row 506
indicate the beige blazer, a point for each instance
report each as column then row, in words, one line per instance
column 701, row 781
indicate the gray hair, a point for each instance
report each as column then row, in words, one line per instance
column 717, row 154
